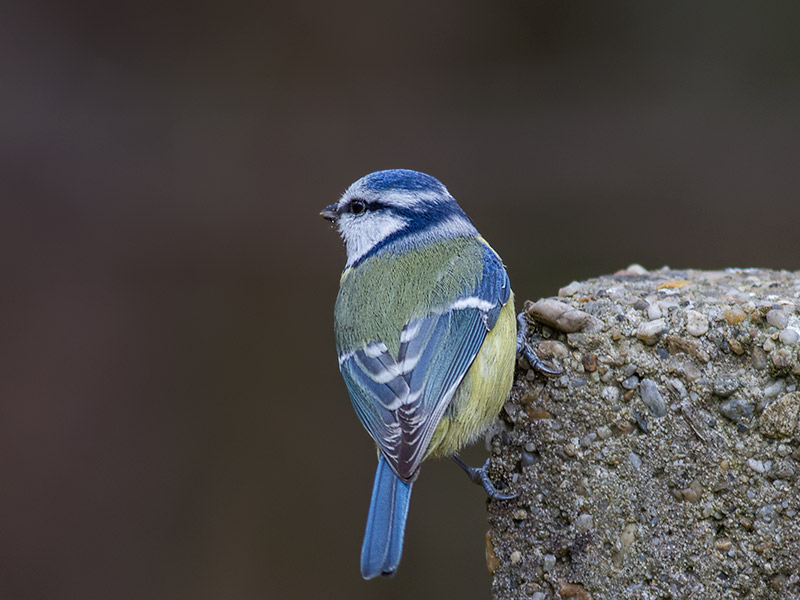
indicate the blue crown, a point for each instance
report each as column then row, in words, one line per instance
column 402, row 179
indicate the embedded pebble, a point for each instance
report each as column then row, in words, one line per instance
column 584, row 522
column 569, row 290
column 552, row 349
column 759, row 358
column 549, row 562
column 696, row 323
column 624, row 426
column 693, row 493
column 604, row 432
column 777, row 318
column 633, row 269
column 641, row 421
column 737, row 410
column 652, row 397
column 492, row 560
column 515, row 557
column 782, row 359
column 789, row 336
column 773, row 389
column 636, row 460
column 628, row 536
column 677, row 387
column 559, row 315
column 654, row 312
column 536, row 413
column 734, row 315
column 686, row 346
column 629, row 370
column 779, row 418
column 783, row 470
column 735, row 345
column 724, row 386
column 722, row 544
column 649, row 332
column 631, row 383
column 767, row 513
column 610, row 394
column 756, row 465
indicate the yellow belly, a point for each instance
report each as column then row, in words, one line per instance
column 484, row 389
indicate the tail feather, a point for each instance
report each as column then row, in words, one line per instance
column 386, row 523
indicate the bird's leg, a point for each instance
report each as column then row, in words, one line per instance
column 480, row 476
column 528, row 352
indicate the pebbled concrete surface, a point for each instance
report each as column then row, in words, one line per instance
column 663, row 462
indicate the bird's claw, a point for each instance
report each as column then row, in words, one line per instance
column 528, row 352
column 537, row 363
column 480, row 476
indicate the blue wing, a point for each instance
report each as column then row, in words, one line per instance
column 400, row 400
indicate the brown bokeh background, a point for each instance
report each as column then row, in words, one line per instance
column 172, row 421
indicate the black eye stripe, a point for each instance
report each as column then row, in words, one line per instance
column 358, row 206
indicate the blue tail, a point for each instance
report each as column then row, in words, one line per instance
column 386, row 523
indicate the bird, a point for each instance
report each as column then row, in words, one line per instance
column 425, row 335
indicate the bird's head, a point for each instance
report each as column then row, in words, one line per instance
column 395, row 209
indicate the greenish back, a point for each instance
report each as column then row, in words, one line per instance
column 379, row 296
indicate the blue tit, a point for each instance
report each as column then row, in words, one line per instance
column 425, row 334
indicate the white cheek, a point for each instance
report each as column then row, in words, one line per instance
column 362, row 233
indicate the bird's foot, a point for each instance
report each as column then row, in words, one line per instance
column 528, row 352
column 480, row 476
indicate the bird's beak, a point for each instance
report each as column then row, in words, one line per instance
column 331, row 213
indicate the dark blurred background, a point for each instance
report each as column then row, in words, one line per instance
column 172, row 421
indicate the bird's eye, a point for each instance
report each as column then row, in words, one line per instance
column 357, row 207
